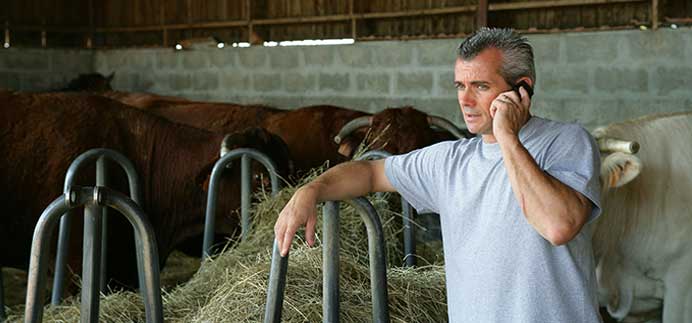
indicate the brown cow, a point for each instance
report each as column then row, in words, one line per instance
column 40, row 135
column 308, row 131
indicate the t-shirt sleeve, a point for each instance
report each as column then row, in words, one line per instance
column 413, row 177
column 574, row 160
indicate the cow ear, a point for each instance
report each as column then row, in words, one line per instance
column 619, row 169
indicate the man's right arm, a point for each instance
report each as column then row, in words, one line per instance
column 342, row 182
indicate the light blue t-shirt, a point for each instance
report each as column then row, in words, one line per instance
column 498, row 267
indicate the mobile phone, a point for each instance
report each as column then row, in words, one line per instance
column 526, row 87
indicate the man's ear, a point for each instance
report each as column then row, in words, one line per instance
column 619, row 169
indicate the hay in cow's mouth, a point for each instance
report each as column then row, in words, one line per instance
column 232, row 286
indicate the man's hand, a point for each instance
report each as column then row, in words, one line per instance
column 300, row 210
column 509, row 112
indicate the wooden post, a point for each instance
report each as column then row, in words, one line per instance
column 482, row 14
column 248, row 16
column 7, row 34
column 354, row 33
column 654, row 14
column 90, row 35
column 189, row 11
column 162, row 13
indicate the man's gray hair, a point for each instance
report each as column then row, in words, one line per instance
column 517, row 54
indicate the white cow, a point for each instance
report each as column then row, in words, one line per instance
column 643, row 240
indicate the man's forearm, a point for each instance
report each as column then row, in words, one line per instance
column 344, row 181
column 555, row 210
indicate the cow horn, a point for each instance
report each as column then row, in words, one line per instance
column 609, row 144
column 446, row 125
column 360, row 122
column 612, row 144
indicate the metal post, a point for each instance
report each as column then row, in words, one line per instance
column 91, row 260
column 378, row 268
column 277, row 285
column 409, row 238
column 244, row 196
column 406, row 214
column 102, row 180
column 212, row 195
column 2, row 298
column 147, row 252
column 330, row 262
column 65, row 221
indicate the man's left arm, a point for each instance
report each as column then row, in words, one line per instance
column 554, row 209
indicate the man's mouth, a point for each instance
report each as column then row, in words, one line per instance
column 471, row 116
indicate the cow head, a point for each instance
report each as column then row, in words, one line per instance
column 396, row 130
column 91, row 82
column 269, row 144
column 228, row 195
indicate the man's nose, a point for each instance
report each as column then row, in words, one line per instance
column 466, row 97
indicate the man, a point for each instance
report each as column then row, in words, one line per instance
column 514, row 202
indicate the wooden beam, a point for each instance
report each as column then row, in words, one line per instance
column 553, row 4
column 482, row 14
column 250, row 23
column 678, row 20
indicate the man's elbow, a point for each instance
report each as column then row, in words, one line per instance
column 564, row 231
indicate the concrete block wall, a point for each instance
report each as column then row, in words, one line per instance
column 593, row 78
column 42, row 69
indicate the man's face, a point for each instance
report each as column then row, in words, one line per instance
column 478, row 83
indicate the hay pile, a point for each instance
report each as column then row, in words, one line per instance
column 232, row 286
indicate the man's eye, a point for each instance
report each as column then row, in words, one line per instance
column 483, row 87
column 459, row 86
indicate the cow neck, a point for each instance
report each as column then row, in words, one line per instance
column 178, row 158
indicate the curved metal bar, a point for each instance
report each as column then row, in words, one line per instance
column 147, row 254
column 446, row 125
column 378, row 259
column 43, row 230
column 212, row 195
column 147, row 250
column 65, row 222
column 364, row 121
column 378, row 269
column 276, row 286
column 406, row 214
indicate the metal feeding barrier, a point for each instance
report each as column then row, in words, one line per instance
column 101, row 155
column 93, row 198
column 406, row 214
column 330, row 258
column 2, row 299
column 245, row 154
